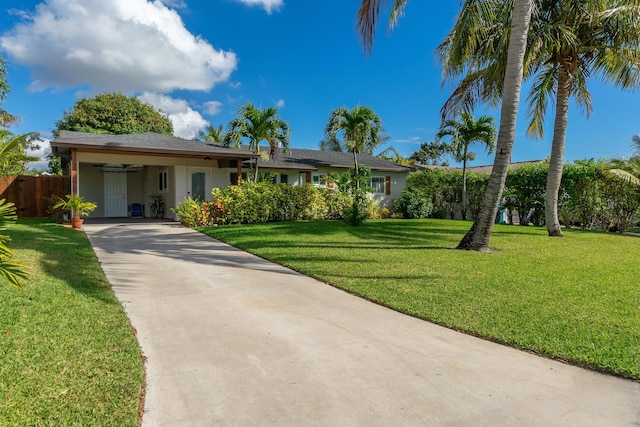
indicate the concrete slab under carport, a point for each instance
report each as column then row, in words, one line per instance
column 232, row 339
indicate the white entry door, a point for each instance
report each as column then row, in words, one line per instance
column 115, row 191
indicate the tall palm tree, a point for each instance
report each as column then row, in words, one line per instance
column 359, row 130
column 256, row 125
column 214, row 134
column 569, row 42
column 477, row 238
column 463, row 133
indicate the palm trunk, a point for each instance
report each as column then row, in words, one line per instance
column 556, row 161
column 464, row 185
column 478, row 237
column 355, row 165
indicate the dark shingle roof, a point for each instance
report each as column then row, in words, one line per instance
column 142, row 143
column 299, row 158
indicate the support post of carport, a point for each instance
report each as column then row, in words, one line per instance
column 239, row 166
column 74, row 172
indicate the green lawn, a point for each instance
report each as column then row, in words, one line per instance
column 68, row 356
column 576, row 298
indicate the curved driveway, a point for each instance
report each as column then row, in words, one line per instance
column 232, row 339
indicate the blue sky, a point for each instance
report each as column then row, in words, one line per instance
column 200, row 60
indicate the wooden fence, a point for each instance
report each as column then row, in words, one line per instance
column 32, row 194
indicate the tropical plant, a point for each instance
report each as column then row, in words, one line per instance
column 75, row 204
column 569, row 42
column 256, row 125
column 213, row 134
column 358, row 131
column 114, row 113
column 13, row 157
column 629, row 169
column 463, row 133
column 9, row 269
column 478, row 237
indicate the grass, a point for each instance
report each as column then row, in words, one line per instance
column 576, row 299
column 68, row 355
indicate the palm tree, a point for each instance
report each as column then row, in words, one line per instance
column 357, row 131
column 257, row 125
column 477, row 238
column 569, row 42
column 463, row 133
column 629, row 170
column 212, row 134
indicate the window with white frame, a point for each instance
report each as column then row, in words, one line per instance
column 319, row 180
column 378, row 184
column 163, row 180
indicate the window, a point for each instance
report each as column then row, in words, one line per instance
column 319, row 180
column 233, row 177
column 284, row 178
column 378, row 185
column 163, row 181
column 198, row 185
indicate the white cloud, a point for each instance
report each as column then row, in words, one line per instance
column 186, row 121
column 116, row 45
column 268, row 5
column 235, row 85
column 43, row 150
column 280, row 103
column 412, row 139
column 212, row 107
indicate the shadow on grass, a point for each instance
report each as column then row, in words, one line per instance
column 66, row 255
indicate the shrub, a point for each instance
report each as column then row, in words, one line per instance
column 415, row 204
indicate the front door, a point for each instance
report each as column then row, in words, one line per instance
column 115, row 190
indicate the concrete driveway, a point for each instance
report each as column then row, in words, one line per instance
column 234, row 340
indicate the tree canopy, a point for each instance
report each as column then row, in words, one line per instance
column 114, row 113
column 6, row 119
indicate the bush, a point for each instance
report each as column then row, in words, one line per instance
column 415, row 204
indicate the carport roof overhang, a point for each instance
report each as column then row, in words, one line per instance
column 146, row 144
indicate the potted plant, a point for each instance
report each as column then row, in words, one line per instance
column 78, row 206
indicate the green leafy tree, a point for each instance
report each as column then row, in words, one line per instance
column 6, row 119
column 478, row 237
column 255, row 125
column 432, row 153
column 357, row 131
column 569, row 43
column 214, row 134
column 114, row 113
column 13, row 157
column 463, row 133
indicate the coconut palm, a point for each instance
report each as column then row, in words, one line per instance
column 214, row 134
column 568, row 43
column 463, row 133
column 256, row 125
column 357, row 131
column 477, row 238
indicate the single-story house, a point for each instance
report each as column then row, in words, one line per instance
column 121, row 171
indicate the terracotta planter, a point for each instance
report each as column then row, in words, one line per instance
column 77, row 223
